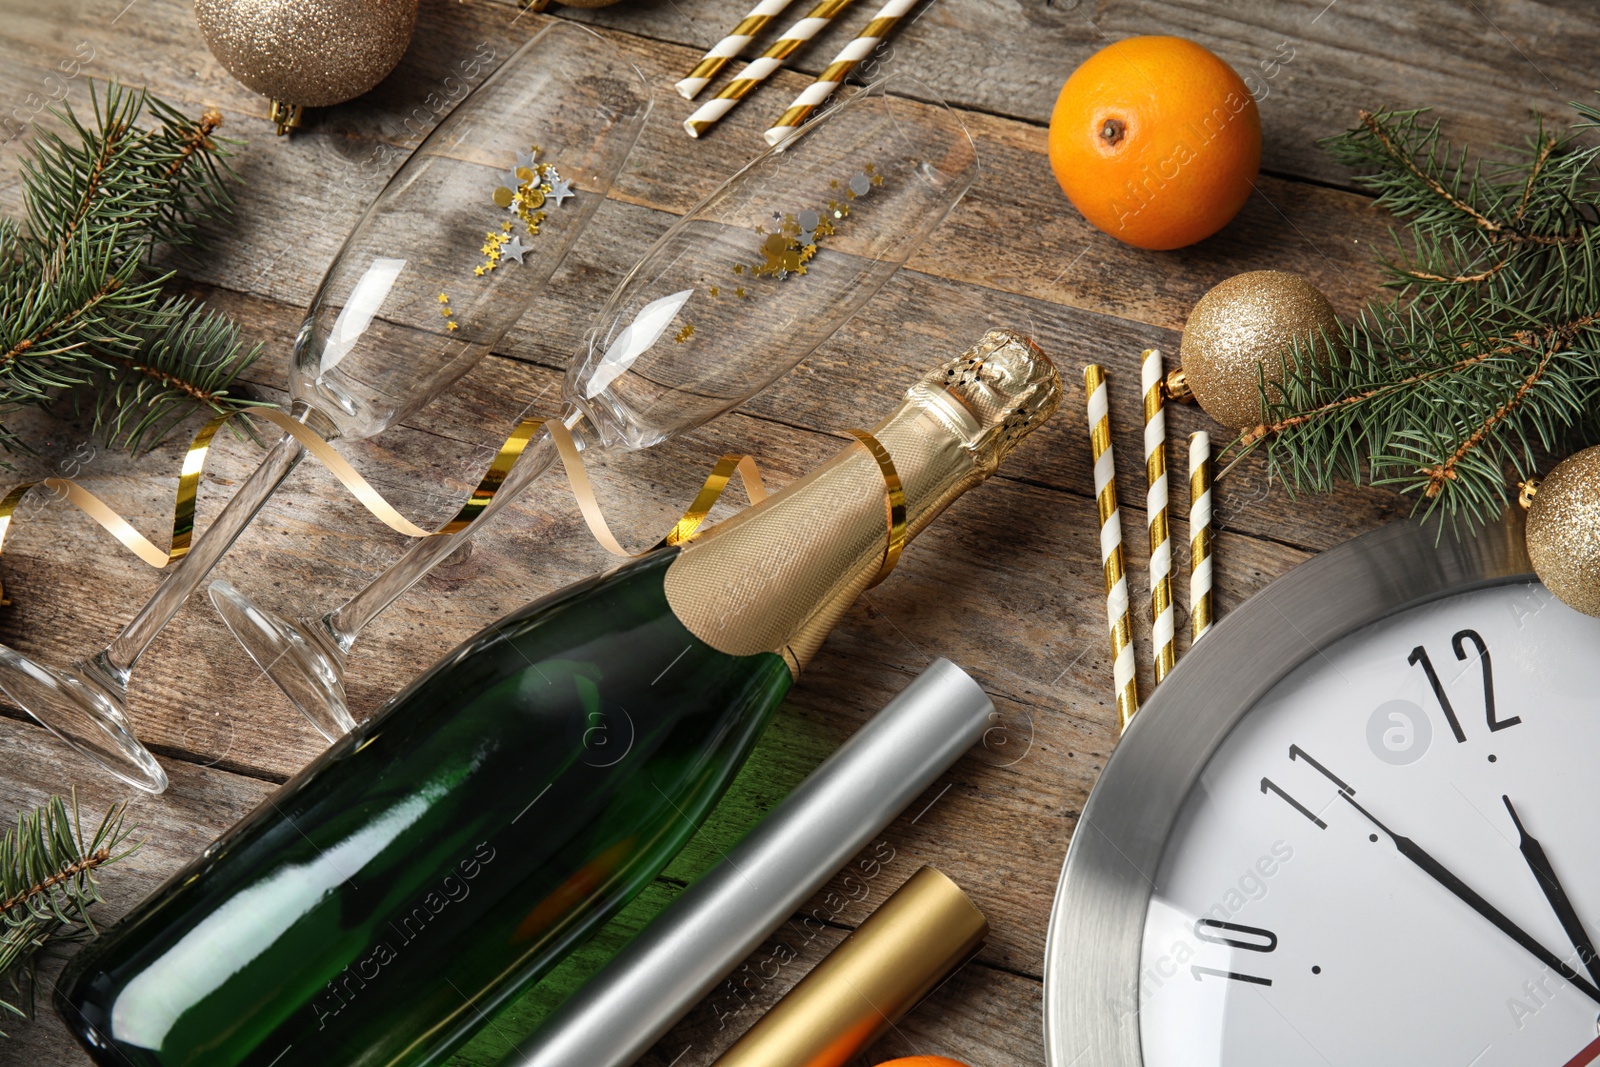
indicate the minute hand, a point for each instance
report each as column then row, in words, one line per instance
column 1545, row 873
column 1441, row 874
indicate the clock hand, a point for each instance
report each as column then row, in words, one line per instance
column 1560, row 903
column 1441, row 874
column 1586, row 1056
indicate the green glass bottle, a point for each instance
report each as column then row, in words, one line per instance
column 454, row 847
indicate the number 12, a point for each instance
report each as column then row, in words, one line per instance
column 1420, row 655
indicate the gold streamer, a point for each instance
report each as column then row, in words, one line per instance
column 577, row 479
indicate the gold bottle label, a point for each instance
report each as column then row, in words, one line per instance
column 778, row 576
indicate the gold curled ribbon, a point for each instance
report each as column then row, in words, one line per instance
column 894, row 500
column 515, row 445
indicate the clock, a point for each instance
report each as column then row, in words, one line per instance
column 1358, row 824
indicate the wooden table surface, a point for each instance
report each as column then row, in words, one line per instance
column 1007, row 584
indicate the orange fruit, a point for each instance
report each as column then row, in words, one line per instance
column 922, row 1061
column 1156, row 140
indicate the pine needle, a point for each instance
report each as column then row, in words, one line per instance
column 1486, row 361
column 80, row 312
column 47, row 887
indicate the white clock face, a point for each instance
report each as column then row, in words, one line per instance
column 1394, row 858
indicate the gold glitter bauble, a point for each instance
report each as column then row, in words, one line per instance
column 1243, row 329
column 1564, row 531
column 308, row 52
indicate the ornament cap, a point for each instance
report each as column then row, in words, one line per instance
column 288, row 117
column 1178, row 386
column 1526, row 491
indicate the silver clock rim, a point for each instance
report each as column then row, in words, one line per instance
column 1091, row 970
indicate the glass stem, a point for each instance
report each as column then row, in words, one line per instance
column 345, row 622
column 184, row 576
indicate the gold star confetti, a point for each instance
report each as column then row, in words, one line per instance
column 451, row 326
column 788, row 242
column 444, row 299
column 526, row 190
column 494, row 241
column 685, row 333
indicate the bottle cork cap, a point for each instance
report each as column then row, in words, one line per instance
column 869, row 982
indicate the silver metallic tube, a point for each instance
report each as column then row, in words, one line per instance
column 725, row 915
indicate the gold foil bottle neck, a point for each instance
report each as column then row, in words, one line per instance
column 1005, row 383
column 917, row 937
column 778, row 576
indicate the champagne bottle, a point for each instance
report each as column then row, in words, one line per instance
column 444, row 855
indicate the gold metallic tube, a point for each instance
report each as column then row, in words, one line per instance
column 913, row 941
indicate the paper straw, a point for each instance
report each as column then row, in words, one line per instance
column 759, row 69
column 1162, row 627
column 727, row 49
column 837, row 71
column 1199, row 534
column 1105, row 491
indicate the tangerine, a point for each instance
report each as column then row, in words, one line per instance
column 1156, row 140
column 923, row 1061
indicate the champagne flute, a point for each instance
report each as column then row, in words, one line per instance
column 733, row 295
column 407, row 307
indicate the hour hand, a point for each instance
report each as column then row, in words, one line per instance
column 1560, row 903
column 1467, row 895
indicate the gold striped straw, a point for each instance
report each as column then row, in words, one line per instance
column 1199, row 534
column 1105, row 490
column 726, row 50
column 837, row 71
column 1163, row 629
column 762, row 67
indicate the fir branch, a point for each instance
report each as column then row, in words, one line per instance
column 79, row 309
column 187, row 358
column 1487, row 359
column 47, row 886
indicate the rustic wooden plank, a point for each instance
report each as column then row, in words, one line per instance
column 1312, row 64
column 1014, row 233
column 315, row 537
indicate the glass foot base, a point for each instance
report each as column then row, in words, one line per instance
column 83, row 713
column 293, row 656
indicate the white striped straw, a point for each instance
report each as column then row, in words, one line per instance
column 759, row 69
column 727, row 49
column 837, row 71
column 1105, row 490
column 1162, row 626
column 1199, row 534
